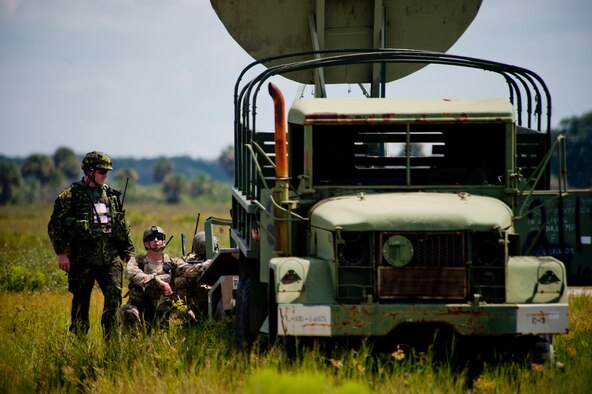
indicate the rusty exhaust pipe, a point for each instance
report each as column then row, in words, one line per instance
column 281, row 152
column 280, row 191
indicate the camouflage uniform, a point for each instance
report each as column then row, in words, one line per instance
column 194, row 296
column 198, row 250
column 147, row 300
column 197, row 297
column 89, row 225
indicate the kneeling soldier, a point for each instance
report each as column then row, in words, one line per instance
column 152, row 297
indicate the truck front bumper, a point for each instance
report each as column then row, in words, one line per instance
column 380, row 319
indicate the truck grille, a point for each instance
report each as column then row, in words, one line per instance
column 488, row 267
column 421, row 283
column 430, row 249
column 420, row 266
column 436, row 270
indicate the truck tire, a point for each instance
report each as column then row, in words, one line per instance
column 243, row 314
column 272, row 312
column 542, row 351
column 289, row 349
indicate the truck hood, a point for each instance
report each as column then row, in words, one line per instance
column 411, row 212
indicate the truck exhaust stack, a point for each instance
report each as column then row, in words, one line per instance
column 280, row 191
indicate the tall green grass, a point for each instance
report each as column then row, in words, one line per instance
column 37, row 354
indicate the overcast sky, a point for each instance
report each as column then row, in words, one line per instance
column 149, row 78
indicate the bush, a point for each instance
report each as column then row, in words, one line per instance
column 21, row 279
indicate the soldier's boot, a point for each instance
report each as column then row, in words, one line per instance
column 129, row 317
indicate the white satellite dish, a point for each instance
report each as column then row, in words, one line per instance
column 266, row 28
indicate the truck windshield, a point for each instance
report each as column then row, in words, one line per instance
column 409, row 154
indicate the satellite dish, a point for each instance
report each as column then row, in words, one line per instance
column 266, row 28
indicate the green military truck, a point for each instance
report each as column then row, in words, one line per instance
column 390, row 218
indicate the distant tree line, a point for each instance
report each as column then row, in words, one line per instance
column 578, row 149
column 176, row 184
column 39, row 177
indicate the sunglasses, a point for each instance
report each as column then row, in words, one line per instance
column 152, row 237
column 102, row 171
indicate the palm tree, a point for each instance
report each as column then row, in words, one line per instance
column 226, row 161
column 173, row 186
column 67, row 162
column 162, row 168
column 10, row 182
column 40, row 167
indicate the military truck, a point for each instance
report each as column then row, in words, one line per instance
column 389, row 218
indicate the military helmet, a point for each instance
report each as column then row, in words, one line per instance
column 198, row 245
column 153, row 230
column 97, row 160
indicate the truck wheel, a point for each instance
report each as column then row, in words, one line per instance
column 542, row 352
column 243, row 314
column 289, row 348
column 272, row 312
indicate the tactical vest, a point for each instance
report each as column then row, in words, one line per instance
column 142, row 260
column 87, row 219
column 141, row 297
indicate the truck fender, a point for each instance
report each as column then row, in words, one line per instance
column 536, row 279
column 302, row 280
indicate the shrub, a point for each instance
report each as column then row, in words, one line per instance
column 21, row 279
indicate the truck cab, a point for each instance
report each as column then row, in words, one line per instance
column 407, row 219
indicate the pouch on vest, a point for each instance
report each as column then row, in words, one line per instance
column 120, row 224
column 82, row 230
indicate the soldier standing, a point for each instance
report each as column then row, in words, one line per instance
column 90, row 235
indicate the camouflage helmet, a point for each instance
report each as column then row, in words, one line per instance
column 198, row 245
column 96, row 159
column 153, row 230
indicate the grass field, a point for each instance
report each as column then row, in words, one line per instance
column 37, row 354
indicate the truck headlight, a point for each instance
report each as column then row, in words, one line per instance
column 397, row 250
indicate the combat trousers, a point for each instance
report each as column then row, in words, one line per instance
column 81, row 280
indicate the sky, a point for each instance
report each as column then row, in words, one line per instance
column 150, row 78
